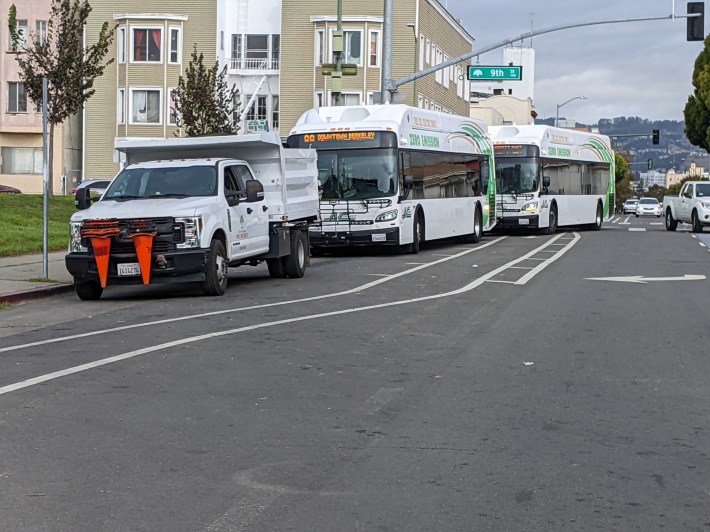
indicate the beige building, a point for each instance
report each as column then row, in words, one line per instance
column 424, row 34
column 20, row 118
column 153, row 45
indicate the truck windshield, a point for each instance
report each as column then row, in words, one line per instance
column 517, row 175
column 357, row 173
column 178, row 181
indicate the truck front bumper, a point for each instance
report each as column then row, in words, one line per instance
column 178, row 266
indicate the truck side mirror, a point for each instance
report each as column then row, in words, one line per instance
column 82, row 200
column 255, row 191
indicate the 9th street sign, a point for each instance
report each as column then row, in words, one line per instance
column 495, row 73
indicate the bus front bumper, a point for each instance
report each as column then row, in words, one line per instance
column 519, row 222
column 368, row 237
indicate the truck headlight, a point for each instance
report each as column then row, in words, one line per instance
column 75, row 245
column 705, row 204
column 529, row 207
column 193, row 228
column 387, row 216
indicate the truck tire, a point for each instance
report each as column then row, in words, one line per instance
column 671, row 223
column 277, row 268
column 552, row 227
column 88, row 291
column 697, row 226
column 296, row 261
column 215, row 282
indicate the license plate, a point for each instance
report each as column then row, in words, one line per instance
column 379, row 238
column 129, row 269
column 523, row 221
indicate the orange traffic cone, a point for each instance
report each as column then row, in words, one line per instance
column 102, row 249
column 144, row 247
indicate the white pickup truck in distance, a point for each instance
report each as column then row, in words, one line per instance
column 691, row 205
column 184, row 210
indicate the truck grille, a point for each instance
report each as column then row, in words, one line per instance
column 167, row 234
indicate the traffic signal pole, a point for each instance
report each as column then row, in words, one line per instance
column 389, row 85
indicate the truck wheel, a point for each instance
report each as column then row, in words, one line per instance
column 88, row 291
column 216, row 279
column 475, row 237
column 697, row 226
column 277, row 268
column 296, row 261
column 671, row 223
column 552, row 227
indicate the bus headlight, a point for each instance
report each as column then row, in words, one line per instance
column 75, row 238
column 193, row 228
column 387, row 216
column 529, row 207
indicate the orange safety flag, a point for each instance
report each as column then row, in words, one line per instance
column 102, row 250
column 144, row 248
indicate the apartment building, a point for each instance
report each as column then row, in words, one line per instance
column 21, row 153
column 152, row 48
column 424, row 34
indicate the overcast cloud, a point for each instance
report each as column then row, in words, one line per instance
column 630, row 69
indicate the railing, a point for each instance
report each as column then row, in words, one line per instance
column 254, row 64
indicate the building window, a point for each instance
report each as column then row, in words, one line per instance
column 121, row 44
column 420, row 101
column 21, row 37
column 374, row 59
column 16, row 97
column 275, row 112
column 320, row 47
column 275, row 51
column 236, row 51
column 175, row 45
column 347, row 98
column 446, row 71
column 172, row 111
column 145, row 106
column 318, row 99
column 258, row 109
column 252, row 51
column 428, row 52
column 257, row 51
column 21, row 161
column 352, row 52
column 146, row 45
column 421, row 52
column 41, row 31
column 121, row 106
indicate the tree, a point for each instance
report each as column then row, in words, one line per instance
column 697, row 109
column 203, row 101
column 61, row 57
column 622, row 178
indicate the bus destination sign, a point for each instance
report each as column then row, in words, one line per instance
column 495, row 73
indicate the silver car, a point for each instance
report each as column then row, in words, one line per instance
column 630, row 206
column 648, row 207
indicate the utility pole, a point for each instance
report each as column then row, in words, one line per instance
column 336, row 86
column 387, row 53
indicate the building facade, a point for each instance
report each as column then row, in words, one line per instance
column 21, row 139
column 152, row 47
column 424, row 34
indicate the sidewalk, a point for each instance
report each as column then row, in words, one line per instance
column 16, row 272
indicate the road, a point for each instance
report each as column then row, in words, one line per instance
column 521, row 383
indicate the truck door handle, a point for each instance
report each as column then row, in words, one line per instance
column 249, row 210
column 264, row 208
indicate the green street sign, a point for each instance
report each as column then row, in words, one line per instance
column 347, row 69
column 495, row 73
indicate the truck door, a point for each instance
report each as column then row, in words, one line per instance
column 248, row 222
column 686, row 196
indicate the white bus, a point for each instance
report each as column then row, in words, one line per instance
column 550, row 177
column 394, row 175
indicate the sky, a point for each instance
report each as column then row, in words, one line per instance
column 639, row 69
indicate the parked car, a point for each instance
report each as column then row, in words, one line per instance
column 4, row 189
column 648, row 207
column 630, row 206
column 97, row 188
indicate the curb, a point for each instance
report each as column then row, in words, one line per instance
column 36, row 293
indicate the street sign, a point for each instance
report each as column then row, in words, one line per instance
column 495, row 73
column 347, row 69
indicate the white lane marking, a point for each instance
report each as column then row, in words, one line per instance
column 702, row 244
column 504, row 282
column 520, row 268
column 253, row 307
column 637, row 229
column 209, row 336
column 525, row 278
column 643, row 280
column 656, row 223
column 378, row 274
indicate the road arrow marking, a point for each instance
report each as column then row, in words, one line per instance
column 643, row 280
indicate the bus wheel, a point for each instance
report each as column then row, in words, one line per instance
column 296, row 261
column 475, row 237
column 550, row 229
column 599, row 218
column 88, row 291
column 671, row 223
column 418, row 234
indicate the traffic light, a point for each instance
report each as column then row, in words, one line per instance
column 695, row 25
column 656, row 136
column 650, row 164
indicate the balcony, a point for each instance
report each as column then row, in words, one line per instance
column 267, row 66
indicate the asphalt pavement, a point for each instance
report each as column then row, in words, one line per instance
column 22, row 277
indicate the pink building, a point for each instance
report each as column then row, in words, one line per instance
column 21, row 159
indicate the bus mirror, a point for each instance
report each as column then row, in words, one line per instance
column 546, row 181
column 408, row 182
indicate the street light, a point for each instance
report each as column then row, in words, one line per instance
column 416, row 61
column 557, row 116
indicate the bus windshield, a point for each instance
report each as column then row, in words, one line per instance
column 357, row 174
column 517, row 175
